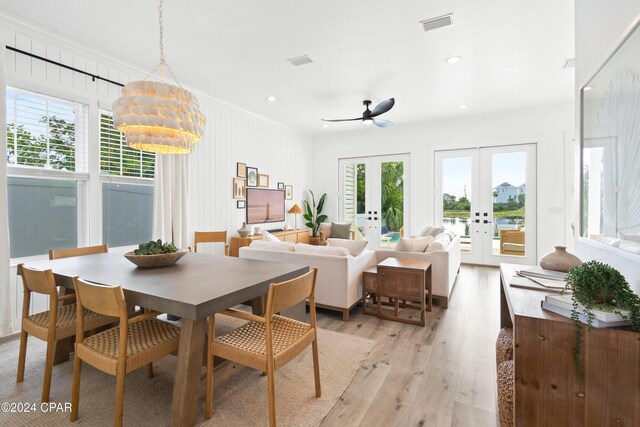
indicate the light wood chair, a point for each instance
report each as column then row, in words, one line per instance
column 514, row 240
column 68, row 253
column 268, row 343
column 56, row 324
column 210, row 237
column 134, row 343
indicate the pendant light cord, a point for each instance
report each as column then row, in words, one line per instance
column 162, row 66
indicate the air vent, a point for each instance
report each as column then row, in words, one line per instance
column 300, row 60
column 568, row 63
column 439, row 22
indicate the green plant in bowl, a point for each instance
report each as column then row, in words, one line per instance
column 155, row 248
column 598, row 286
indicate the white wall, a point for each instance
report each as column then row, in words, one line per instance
column 551, row 128
column 232, row 135
column 600, row 27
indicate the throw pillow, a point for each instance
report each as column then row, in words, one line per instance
column 325, row 229
column 630, row 246
column 418, row 244
column 432, row 231
column 340, row 231
column 632, row 237
column 439, row 243
column 272, row 246
column 355, row 247
column 612, row 241
column 303, row 248
column 269, row 237
column 426, row 231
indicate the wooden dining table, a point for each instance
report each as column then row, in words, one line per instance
column 197, row 286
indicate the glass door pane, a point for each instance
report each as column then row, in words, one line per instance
column 508, row 178
column 457, row 197
column 391, row 202
column 353, row 188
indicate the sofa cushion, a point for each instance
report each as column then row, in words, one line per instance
column 340, row 231
column 413, row 244
column 303, row 248
column 355, row 247
column 632, row 237
column 266, row 236
column 431, row 231
column 612, row 241
column 439, row 243
column 273, row 246
column 630, row 246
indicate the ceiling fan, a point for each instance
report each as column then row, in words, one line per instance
column 369, row 117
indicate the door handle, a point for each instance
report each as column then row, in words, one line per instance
column 477, row 221
column 369, row 218
column 487, row 221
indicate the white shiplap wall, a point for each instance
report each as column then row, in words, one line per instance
column 232, row 135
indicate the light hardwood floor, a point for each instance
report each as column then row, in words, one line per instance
column 439, row 375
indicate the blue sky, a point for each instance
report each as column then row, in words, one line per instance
column 506, row 167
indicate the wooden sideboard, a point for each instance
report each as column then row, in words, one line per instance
column 547, row 389
column 295, row 236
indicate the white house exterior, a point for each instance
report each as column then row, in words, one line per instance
column 505, row 192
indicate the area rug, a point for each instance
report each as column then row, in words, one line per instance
column 240, row 394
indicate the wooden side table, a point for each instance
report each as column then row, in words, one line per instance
column 405, row 280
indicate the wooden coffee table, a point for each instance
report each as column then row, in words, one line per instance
column 396, row 280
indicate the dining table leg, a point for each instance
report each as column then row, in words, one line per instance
column 186, row 385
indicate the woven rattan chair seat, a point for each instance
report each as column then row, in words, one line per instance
column 38, row 323
column 143, row 335
column 251, row 336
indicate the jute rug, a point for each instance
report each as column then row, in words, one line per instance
column 240, row 394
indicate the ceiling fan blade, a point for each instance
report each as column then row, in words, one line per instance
column 382, row 123
column 383, row 107
column 341, row 120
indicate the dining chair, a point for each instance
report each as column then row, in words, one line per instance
column 270, row 342
column 71, row 252
column 56, row 324
column 210, row 237
column 134, row 343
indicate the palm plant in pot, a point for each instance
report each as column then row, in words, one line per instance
column 598, row 286
column 313, row 214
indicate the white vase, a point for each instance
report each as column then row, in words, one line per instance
column 245, row 230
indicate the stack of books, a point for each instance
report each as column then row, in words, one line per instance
column 555, row 280
column 563, row 305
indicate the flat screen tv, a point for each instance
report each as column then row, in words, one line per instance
column 264, row 205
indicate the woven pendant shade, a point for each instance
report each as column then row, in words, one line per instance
column 159, row 117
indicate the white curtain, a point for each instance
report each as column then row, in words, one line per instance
column 170, row 200
column 5, row 293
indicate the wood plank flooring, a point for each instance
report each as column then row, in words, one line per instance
column 439, row 375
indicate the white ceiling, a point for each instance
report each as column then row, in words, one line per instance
column 511, row 50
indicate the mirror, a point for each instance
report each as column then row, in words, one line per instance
column 610, row 150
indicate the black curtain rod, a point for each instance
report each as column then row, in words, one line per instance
column 94, row 77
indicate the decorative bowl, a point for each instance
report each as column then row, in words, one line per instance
column 159, row 260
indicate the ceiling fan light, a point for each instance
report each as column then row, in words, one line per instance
column 368, row 121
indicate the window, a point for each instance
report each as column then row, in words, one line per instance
column 116, row 158
column 47, row 164
column 127, row 188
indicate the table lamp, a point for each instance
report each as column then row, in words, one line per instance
column 295, row 209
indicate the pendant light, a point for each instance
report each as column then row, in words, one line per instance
column 157, row 116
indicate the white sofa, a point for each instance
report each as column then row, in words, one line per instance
column 444, row 267
column 338, row 285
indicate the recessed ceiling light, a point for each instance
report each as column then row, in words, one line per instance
column 271, row 98
column 463, row 106
column 452, row 59
column 586, row 88
column 325, row 125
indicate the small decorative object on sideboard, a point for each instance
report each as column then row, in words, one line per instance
column 245, row 230
column 598, row 286
column 559, row 260
column 155, row 254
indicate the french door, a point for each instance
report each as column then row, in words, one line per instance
column 488, row 197
column 373, row 197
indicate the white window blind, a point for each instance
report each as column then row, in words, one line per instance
column 45, row 132
column 116, row 158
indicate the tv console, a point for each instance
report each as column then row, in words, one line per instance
column 295, row 236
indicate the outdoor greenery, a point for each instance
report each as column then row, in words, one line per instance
column 392, row 185
column 116, row 158
column 601, row 287
column 313, row 213
column 461, row 208
column 155, row 248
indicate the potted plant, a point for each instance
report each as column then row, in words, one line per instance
column 313, row 215
column 599, row 286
